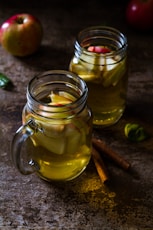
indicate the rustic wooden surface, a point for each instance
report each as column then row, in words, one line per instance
column 126, row 203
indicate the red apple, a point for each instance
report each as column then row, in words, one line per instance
column 21, row 34
column 139, row 14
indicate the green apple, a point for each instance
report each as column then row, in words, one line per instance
column 21, row 34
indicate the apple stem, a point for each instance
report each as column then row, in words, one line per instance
column 20, row 20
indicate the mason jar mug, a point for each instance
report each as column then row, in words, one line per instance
column 55, row 138
column 100, row 58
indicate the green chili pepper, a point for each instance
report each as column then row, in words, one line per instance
column 4, row 81
column 135, row 132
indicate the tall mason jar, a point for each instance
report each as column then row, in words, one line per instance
column 56, row 126
column 100, row 58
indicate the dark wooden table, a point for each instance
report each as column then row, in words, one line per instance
column 126, row 203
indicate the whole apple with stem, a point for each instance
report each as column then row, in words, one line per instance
column 21, row 34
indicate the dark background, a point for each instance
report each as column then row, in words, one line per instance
column 126, row 203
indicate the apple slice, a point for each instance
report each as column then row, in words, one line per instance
column 113, row 76
column 59, row 100
column 61, row 135
column 99, row 49
column 64, row 138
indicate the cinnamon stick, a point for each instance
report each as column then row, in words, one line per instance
column 101, row 146
column 100, row 166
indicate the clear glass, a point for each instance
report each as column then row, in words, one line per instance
column 104, row 71
column 58, row 122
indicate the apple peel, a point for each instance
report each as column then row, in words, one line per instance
column 99, row 49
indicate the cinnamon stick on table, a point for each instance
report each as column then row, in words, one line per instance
column 101, row 169
column 101, row 146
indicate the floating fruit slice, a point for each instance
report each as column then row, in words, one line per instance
column 112, row 77
column 59, row 100
column 63, row 134
column 61, row 139
column 57, row 108
column 99, row 49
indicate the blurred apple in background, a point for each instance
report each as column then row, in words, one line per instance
column 21, row 34
column 139, row 14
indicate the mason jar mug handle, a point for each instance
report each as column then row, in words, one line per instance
column 21, row 135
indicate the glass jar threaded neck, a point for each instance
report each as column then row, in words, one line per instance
column 100, row 36
column 70, row 94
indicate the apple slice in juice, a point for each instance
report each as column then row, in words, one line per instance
column 112, row 76
column 60, row 99
column 61, row 135
column 92, row 63
column 107, row 70
column 113, row 69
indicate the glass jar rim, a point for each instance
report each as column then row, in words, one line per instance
column 36, row 81
column 101, row 30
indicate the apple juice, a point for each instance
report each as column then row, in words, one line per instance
column 62, row 143
column 103, row 65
